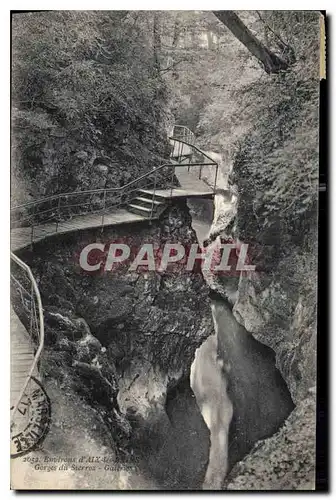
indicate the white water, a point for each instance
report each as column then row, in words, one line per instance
column 207, row 378
column 209, row 385
column 210, row 388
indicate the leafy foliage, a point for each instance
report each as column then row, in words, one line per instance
column 84, row 81
column 266, row 126
column 101, row 83
column 278, row 156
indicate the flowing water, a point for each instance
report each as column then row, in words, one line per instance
column 207, row 377
column 209, row 384
column 238, row 388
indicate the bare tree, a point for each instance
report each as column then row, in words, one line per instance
column 271, row 62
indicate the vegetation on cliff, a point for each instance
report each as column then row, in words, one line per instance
column 276, row 164
column 86, row 90
column 100, row 88
column 265, row 126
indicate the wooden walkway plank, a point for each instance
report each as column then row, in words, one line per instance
column 22, row 356
column 191, row 187
column 177, row 193
column 21, row 237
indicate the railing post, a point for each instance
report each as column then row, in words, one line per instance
column 104, row 207
column 216, row 177
column 152, row 207
column 182, row 151
column 58, row 213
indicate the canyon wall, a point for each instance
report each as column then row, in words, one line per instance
column 124, row 342
column 277, row 305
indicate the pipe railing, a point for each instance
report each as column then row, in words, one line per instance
column 195, row 151
column 58, row 208
column 184, row 133
column 99, row 201
column 32, row 306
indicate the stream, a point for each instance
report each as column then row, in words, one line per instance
column 239, row 390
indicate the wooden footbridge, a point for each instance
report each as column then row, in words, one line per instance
column 144, row 198
column 140, row 199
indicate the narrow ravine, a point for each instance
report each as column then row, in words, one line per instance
column 241, row 394
column 112, row 341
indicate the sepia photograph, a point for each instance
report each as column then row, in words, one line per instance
column 164, row 215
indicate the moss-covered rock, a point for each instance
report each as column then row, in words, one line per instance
column 124, row 341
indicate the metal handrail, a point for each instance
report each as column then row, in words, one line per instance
column 128, row 190
column 212, row 162
column 184, row 132
column 201, row 165
column 92, row 191
column 34, row 294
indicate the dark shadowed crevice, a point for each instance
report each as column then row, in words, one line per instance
column 260, row 397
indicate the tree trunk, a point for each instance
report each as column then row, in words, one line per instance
column 156, row 42
column 271, row 62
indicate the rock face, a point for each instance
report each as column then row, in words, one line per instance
column 284, row 318
column 124, row 341
column 277, row 305
column 283, row 462
column 58, row 137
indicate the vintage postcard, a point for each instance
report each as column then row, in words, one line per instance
column 164, row 232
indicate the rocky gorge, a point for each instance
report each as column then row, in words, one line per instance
column 276, row 307
column 95, row 96
column 123, row 343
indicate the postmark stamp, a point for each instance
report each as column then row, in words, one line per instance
column 31, row 421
